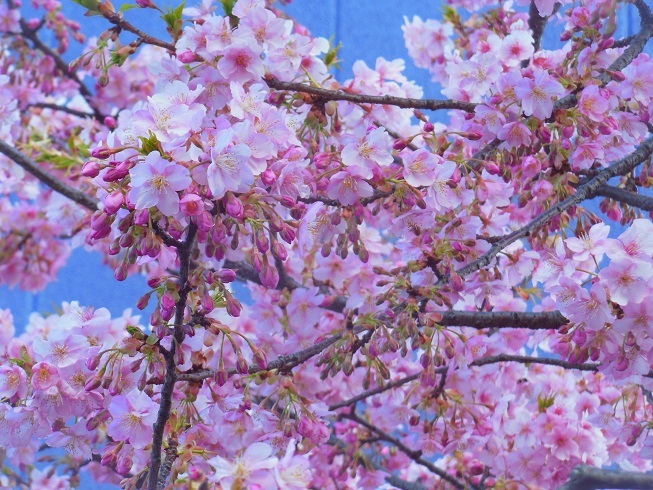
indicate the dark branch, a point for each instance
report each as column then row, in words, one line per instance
column 157, row 478
column 404, row 103
column 535, row 360
column 584, row 191
column 635, row 47
column 47, row 178
column 537, row 23
column 116, row 18
column 590, row 478
column 414, row 455
column 544, row 320
column 622, row 195
column 375, row 391
column 61, row 108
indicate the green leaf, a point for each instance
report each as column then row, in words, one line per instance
column 90, row 5
column 152, row 339
column 149, row 144
column 128, row 6
column 173, row 18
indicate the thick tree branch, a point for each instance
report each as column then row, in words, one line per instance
column 584, row 191
column 536, row 23
column 544, row 320
column 622, row 195
column 404, row 103
column 414, row 455
column 535, row 360
column 589, row 478
column 47, row 178
column 157, row 478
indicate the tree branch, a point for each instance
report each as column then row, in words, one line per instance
column 374, row 391
column 622, row 195
column 483, row 361
column 589, row 478
column 47, row 178
column 404, row 103
column 117, row 19
column 61, row 65
column 545, row 320
column 61, row 108
column 536, row 23
column 636, row 46
column 414, row 455
column 584, row 191
column 157, row 479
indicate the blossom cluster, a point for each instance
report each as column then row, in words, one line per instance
column 379, row 249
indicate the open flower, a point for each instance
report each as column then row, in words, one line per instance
column 252, row 467
column 133, row 418
column 156, row 181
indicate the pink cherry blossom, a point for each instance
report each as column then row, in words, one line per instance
column 132, row 417
column 156, row 181
column 537, row 94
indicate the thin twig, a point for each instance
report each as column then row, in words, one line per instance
column 117, row 18
column 61, row 108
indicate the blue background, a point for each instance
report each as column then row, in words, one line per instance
column 367, row 29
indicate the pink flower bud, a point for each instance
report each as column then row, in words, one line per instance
column 227, row 275
column 110, row 122
column 102, row 152
column 91, row 169
column 268, row 177
column 261, row 359
column 233, row 307
column 186, row 56
column 241, row 365
column 221, row 377
column 269, row 276
column 428, row 127
column 234, row 206
column 113, row 202
column 399, row 144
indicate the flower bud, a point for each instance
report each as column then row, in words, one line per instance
column 91, row 169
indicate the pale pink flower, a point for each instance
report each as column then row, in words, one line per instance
column 253, row 467
column 13, row 381
column 44, row 375
column 591, row 308
column 593, row 103
column 304, row 307
column 636, row 243
column 589, row 244
column 515, row 47
column 443, row 196
column 246, row 103
column 156, row 181
column 515, row 134
column 369, row 151
column 60, row 348
column 537, row 94
column 242, row 62
column 75, row 440
column 132, row 418
column 47, row 479
column 348, row 187
column 623, row 278
column 293, row 471
column 639, row 82
column 228, row 170
column 585, row 154
column 419, row 167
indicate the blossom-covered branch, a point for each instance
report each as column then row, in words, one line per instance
column 404, row 103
